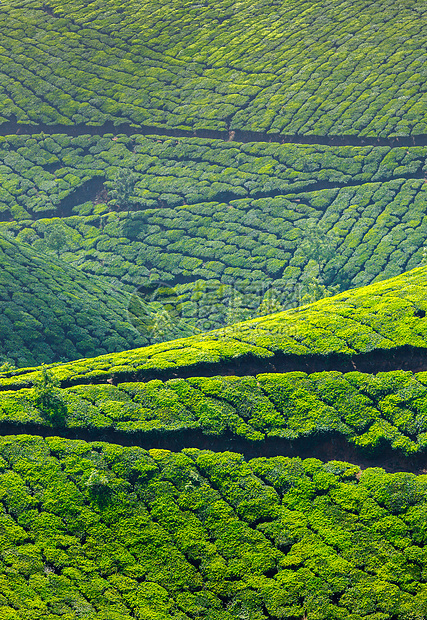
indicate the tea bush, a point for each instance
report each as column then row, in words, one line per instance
column 287, row 68
column 50, row 311
column 385, row 316
column 369, row 411
column 180, row 535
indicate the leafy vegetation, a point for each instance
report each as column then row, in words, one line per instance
column 274, row 235
column 108, row 532
column 114, row 241
column 40, row 172
column 48, row 398
column 52, row 312
column 369, row 411
column 347, row 68
column 379, row 317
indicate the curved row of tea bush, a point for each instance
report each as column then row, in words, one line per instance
column 50, row 311
column 221, row 259
column 291, row 68
column 347, row 237
column 370, row 411
column 38, row 172
column 385, row 316
column 108, row 532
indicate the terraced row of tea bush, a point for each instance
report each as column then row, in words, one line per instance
column 222, row 258
column 369, row 411
column 50, row 311
column 388, row 316
column 40, row 172
column 111, row 532
column 293, row 68
column 219, row 259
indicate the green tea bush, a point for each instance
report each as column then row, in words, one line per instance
column 180, row 535
column 51, row 311
column 283, row 69
column 383, row 316
column 369, row 411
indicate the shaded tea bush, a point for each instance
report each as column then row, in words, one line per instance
column 50, row 311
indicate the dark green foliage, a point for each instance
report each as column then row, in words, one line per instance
column 122, row 192
column 48, row 398
column 56, row 239
column 103, row 531
column 50, row 311
column 279, row 231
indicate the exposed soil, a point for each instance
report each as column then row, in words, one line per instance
column 413, row 359
column 86, row 192
column 237, row 135
column 324, row 446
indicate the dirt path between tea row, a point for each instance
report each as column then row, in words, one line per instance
column 237, row 135
column 323, row 446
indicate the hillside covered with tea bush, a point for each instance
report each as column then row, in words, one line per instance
column 227, row 230
column 378, row 325
column 381, row 327
column 213, row 224
column 134, row 148
column 335, row 68
column 101, row 531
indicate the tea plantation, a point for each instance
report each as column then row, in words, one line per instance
column 336, row 68
column 369, row 411
column 100, row 531
column 213, row 328
column 383, row 322
column 50, row 310
column 233, row 230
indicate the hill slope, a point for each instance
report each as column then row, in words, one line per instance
column 51, row 311
column 134, row 144
column 221, row 224
column 384, row 321
column 112, row 532
column 331, row 68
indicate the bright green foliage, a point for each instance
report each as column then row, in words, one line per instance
column 379, row 317
column 48, row 398
column 346, row 67
column 51, row 311
column 106, row 532
column 369, row 411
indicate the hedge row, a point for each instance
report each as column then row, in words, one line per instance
column 287, row 68
column 50, row 311
column 107, row 532
column 39, row 172
column 369, row 411
column 382, row 316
